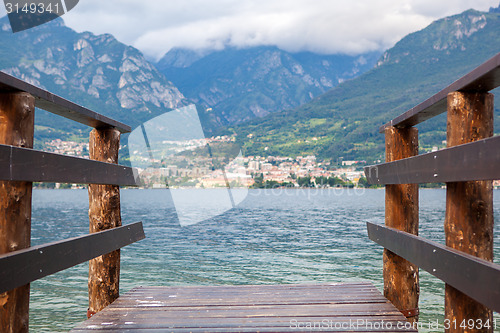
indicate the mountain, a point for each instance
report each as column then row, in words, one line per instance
column 98, row 72
column 343, row 123
column 495, row 10
column 235, row 85
column 242, row 84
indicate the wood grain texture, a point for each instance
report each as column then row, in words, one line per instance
column 357, row 307
column 104, row 214
column 469, row 205
column 17, row 112
column 401, row 285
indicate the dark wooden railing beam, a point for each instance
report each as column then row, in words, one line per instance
column 484, row 78
column 25, row 266
column 22, row 164
column 478, row 278
column 454, row 164
column 60, row 106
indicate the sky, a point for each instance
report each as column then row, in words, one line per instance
column 321, row 26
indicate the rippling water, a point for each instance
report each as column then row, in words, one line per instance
column 275, row 236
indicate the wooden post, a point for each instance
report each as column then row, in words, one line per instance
column 401, row 285
column 469, row 205
column 17, row 112
column 104, row 213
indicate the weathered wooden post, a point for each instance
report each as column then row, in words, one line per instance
column 104, row 213
column 17, row 112
column 401, row 285
column 469, row 205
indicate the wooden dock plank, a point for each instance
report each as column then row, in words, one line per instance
column 355, row 307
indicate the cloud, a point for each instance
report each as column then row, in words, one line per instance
column 324, row 26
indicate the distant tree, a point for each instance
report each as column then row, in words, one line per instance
column 322, row 181
column 335, row 182
column 304, row 181
column 258, row 181
column 363, row 182
column 271, row 184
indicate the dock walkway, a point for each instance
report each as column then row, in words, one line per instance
column 353, row 307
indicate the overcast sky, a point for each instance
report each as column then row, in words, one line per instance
column 324, row 26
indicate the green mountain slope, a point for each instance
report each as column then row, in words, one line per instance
column 242, row 84
column 343, row 123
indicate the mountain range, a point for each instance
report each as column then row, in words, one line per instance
column 229, row 86
column 274, row 102
column 343, row 123
column 98, row 72
column 243, row 84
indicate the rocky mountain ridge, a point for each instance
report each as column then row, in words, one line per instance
column 343, row 123
column 242, row 84
column 93, row 70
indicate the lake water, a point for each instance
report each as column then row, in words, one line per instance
column 273, row 237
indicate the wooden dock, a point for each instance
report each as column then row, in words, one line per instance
column 353, row 307
column 467, row 166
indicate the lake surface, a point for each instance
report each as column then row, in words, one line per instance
column 273, row 237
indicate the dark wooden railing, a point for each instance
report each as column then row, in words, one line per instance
column 20, row 166
column 468, row 165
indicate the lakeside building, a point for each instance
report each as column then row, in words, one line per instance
column 70, row 148
column 198, row 171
